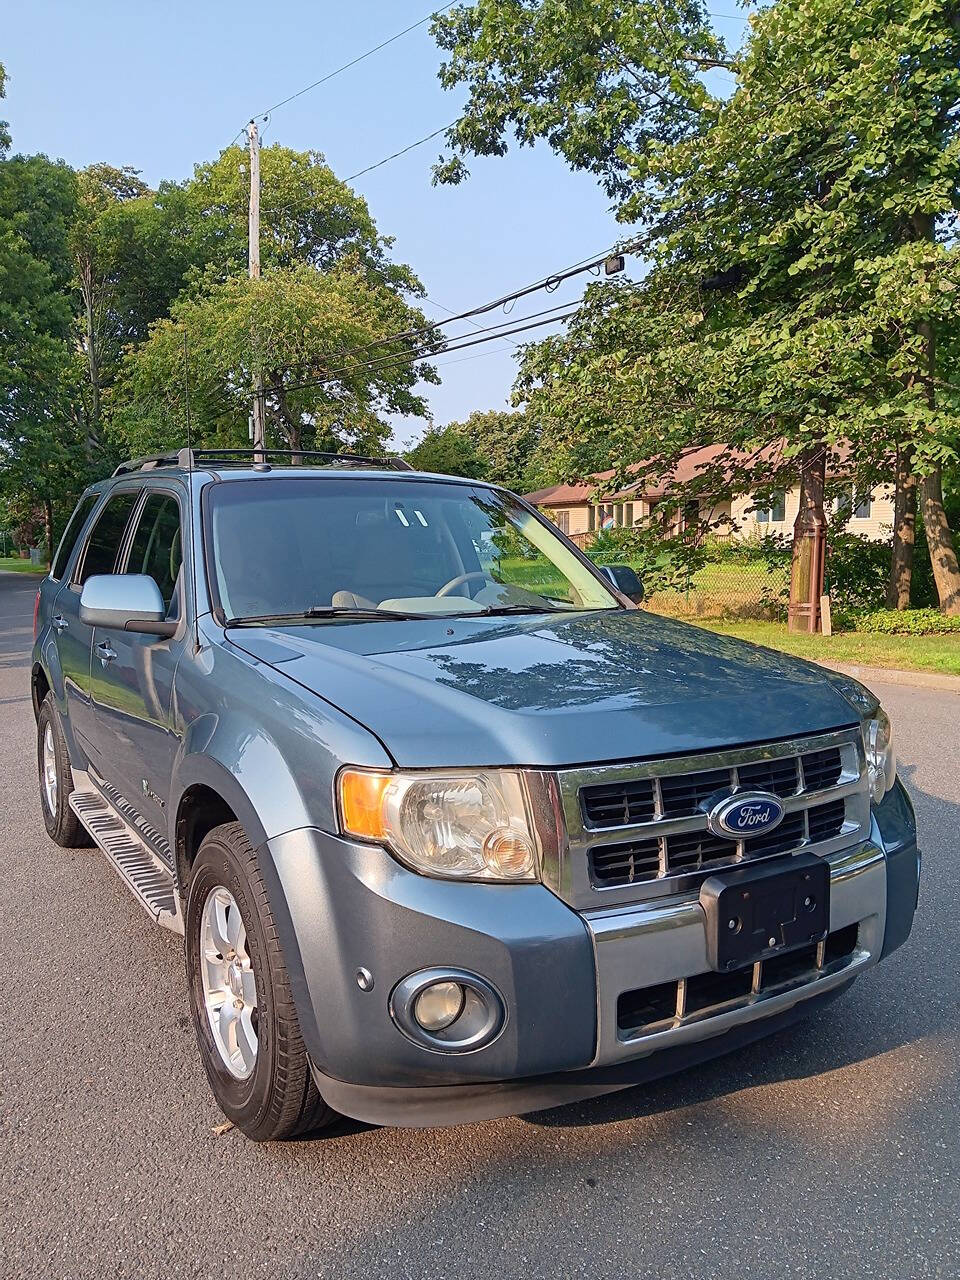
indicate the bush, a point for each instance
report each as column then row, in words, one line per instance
column 664, row 564
column 906, row 622
column 856, row 573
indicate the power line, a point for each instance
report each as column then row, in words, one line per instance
column 550, row 283
column 354, row 61
column 421, row 349
column 402, row 152
column 395, row 359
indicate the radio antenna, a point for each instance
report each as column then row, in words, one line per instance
column 193, row 541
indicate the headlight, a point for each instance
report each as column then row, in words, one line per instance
column 465, row 826
column 881, row 757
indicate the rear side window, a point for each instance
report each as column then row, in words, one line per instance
column 72, row 533
column 155, row 549
column 103, row 545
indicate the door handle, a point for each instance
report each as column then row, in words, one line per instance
column 106, row 652
column 59, row 623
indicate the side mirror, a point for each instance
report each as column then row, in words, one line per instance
column 624, row 579
column 125, row 602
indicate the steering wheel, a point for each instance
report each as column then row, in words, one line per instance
column 449, row 587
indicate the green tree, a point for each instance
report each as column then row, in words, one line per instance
column 802, row 245
column 317, row 328
column 505, row 442
column 307, row 215
column 317, row 340
column 39, row 457
column 599, row 80
column 449, row 451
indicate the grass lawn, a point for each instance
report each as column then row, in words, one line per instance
column 17, row 565
column 909, row 653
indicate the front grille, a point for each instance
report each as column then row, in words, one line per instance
column 618, row 805
column 684, row 795
column 821, row 769
column 626, row 863
column 648, row 1008
column 826, row 820
column 640, row 831
column 633, row 861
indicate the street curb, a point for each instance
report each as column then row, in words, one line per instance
column 893, row 675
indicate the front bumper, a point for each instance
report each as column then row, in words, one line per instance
column 342, row 907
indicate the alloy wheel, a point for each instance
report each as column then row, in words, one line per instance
column 229, row 985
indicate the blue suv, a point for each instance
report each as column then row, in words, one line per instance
column 452, row 828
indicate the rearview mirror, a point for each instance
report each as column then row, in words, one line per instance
column 624, row 579
column 125, row 602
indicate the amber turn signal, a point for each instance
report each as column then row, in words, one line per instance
column 361, row 794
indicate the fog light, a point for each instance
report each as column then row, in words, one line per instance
column 438, row 1005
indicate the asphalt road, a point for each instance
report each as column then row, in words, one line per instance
column 831, row 1150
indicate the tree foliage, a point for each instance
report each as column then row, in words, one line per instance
column 599, row 80
column 449, row 451
column 804, row 282
column 314, row 339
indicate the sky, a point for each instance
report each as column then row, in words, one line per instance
column 163, row 86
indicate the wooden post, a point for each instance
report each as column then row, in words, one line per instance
column 809, row 544
column 259, row 435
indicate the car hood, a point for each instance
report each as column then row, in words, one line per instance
column 550, row 691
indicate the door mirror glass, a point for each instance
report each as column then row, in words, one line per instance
column 125, row 602
column 624, row 579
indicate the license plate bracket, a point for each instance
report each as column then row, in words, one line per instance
column 755, row 912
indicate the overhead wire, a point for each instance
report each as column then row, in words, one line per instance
column 354, row 61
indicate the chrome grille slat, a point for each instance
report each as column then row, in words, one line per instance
column 614, row 862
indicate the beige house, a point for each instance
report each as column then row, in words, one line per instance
column 577, row 510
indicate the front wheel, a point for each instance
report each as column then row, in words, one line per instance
column 243, row 1009
column 56, row 780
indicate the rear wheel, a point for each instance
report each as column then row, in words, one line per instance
column 243, row 1009
column 56, row 780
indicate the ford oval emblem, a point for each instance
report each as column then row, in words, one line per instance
column 746, row 814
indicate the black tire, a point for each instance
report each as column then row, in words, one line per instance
column 63, row 825
column 279, row 1098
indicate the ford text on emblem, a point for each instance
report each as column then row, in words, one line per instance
column 746, row 814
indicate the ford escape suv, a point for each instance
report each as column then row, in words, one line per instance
column 452, row 828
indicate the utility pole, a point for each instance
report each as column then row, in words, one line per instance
column 259, row 436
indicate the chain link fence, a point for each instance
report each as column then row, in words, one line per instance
column 722, row 580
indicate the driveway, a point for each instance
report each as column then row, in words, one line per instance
column 831, row 1150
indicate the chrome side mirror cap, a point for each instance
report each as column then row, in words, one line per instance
column 125, row 602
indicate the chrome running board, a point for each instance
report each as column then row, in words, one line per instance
column 138, row 867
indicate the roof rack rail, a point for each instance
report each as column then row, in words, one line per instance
column 149, row 462
column 189, row 459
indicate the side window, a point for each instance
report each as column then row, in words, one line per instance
column 106, row 535
column 71, row 534
column 155, row 549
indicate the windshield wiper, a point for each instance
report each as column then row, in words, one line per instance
column 328, row 611
column 495, row 610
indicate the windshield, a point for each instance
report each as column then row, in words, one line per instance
column 331, row 546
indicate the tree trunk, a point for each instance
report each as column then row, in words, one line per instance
column 809, row 544
column 289, row 425
column 904, row 531
column 93, row 367
column 943, row 556
column 48, row 524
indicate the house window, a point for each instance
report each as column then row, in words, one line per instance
column 776, row 513
column 628, row 514
column 853, row 504
column 563, row 521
